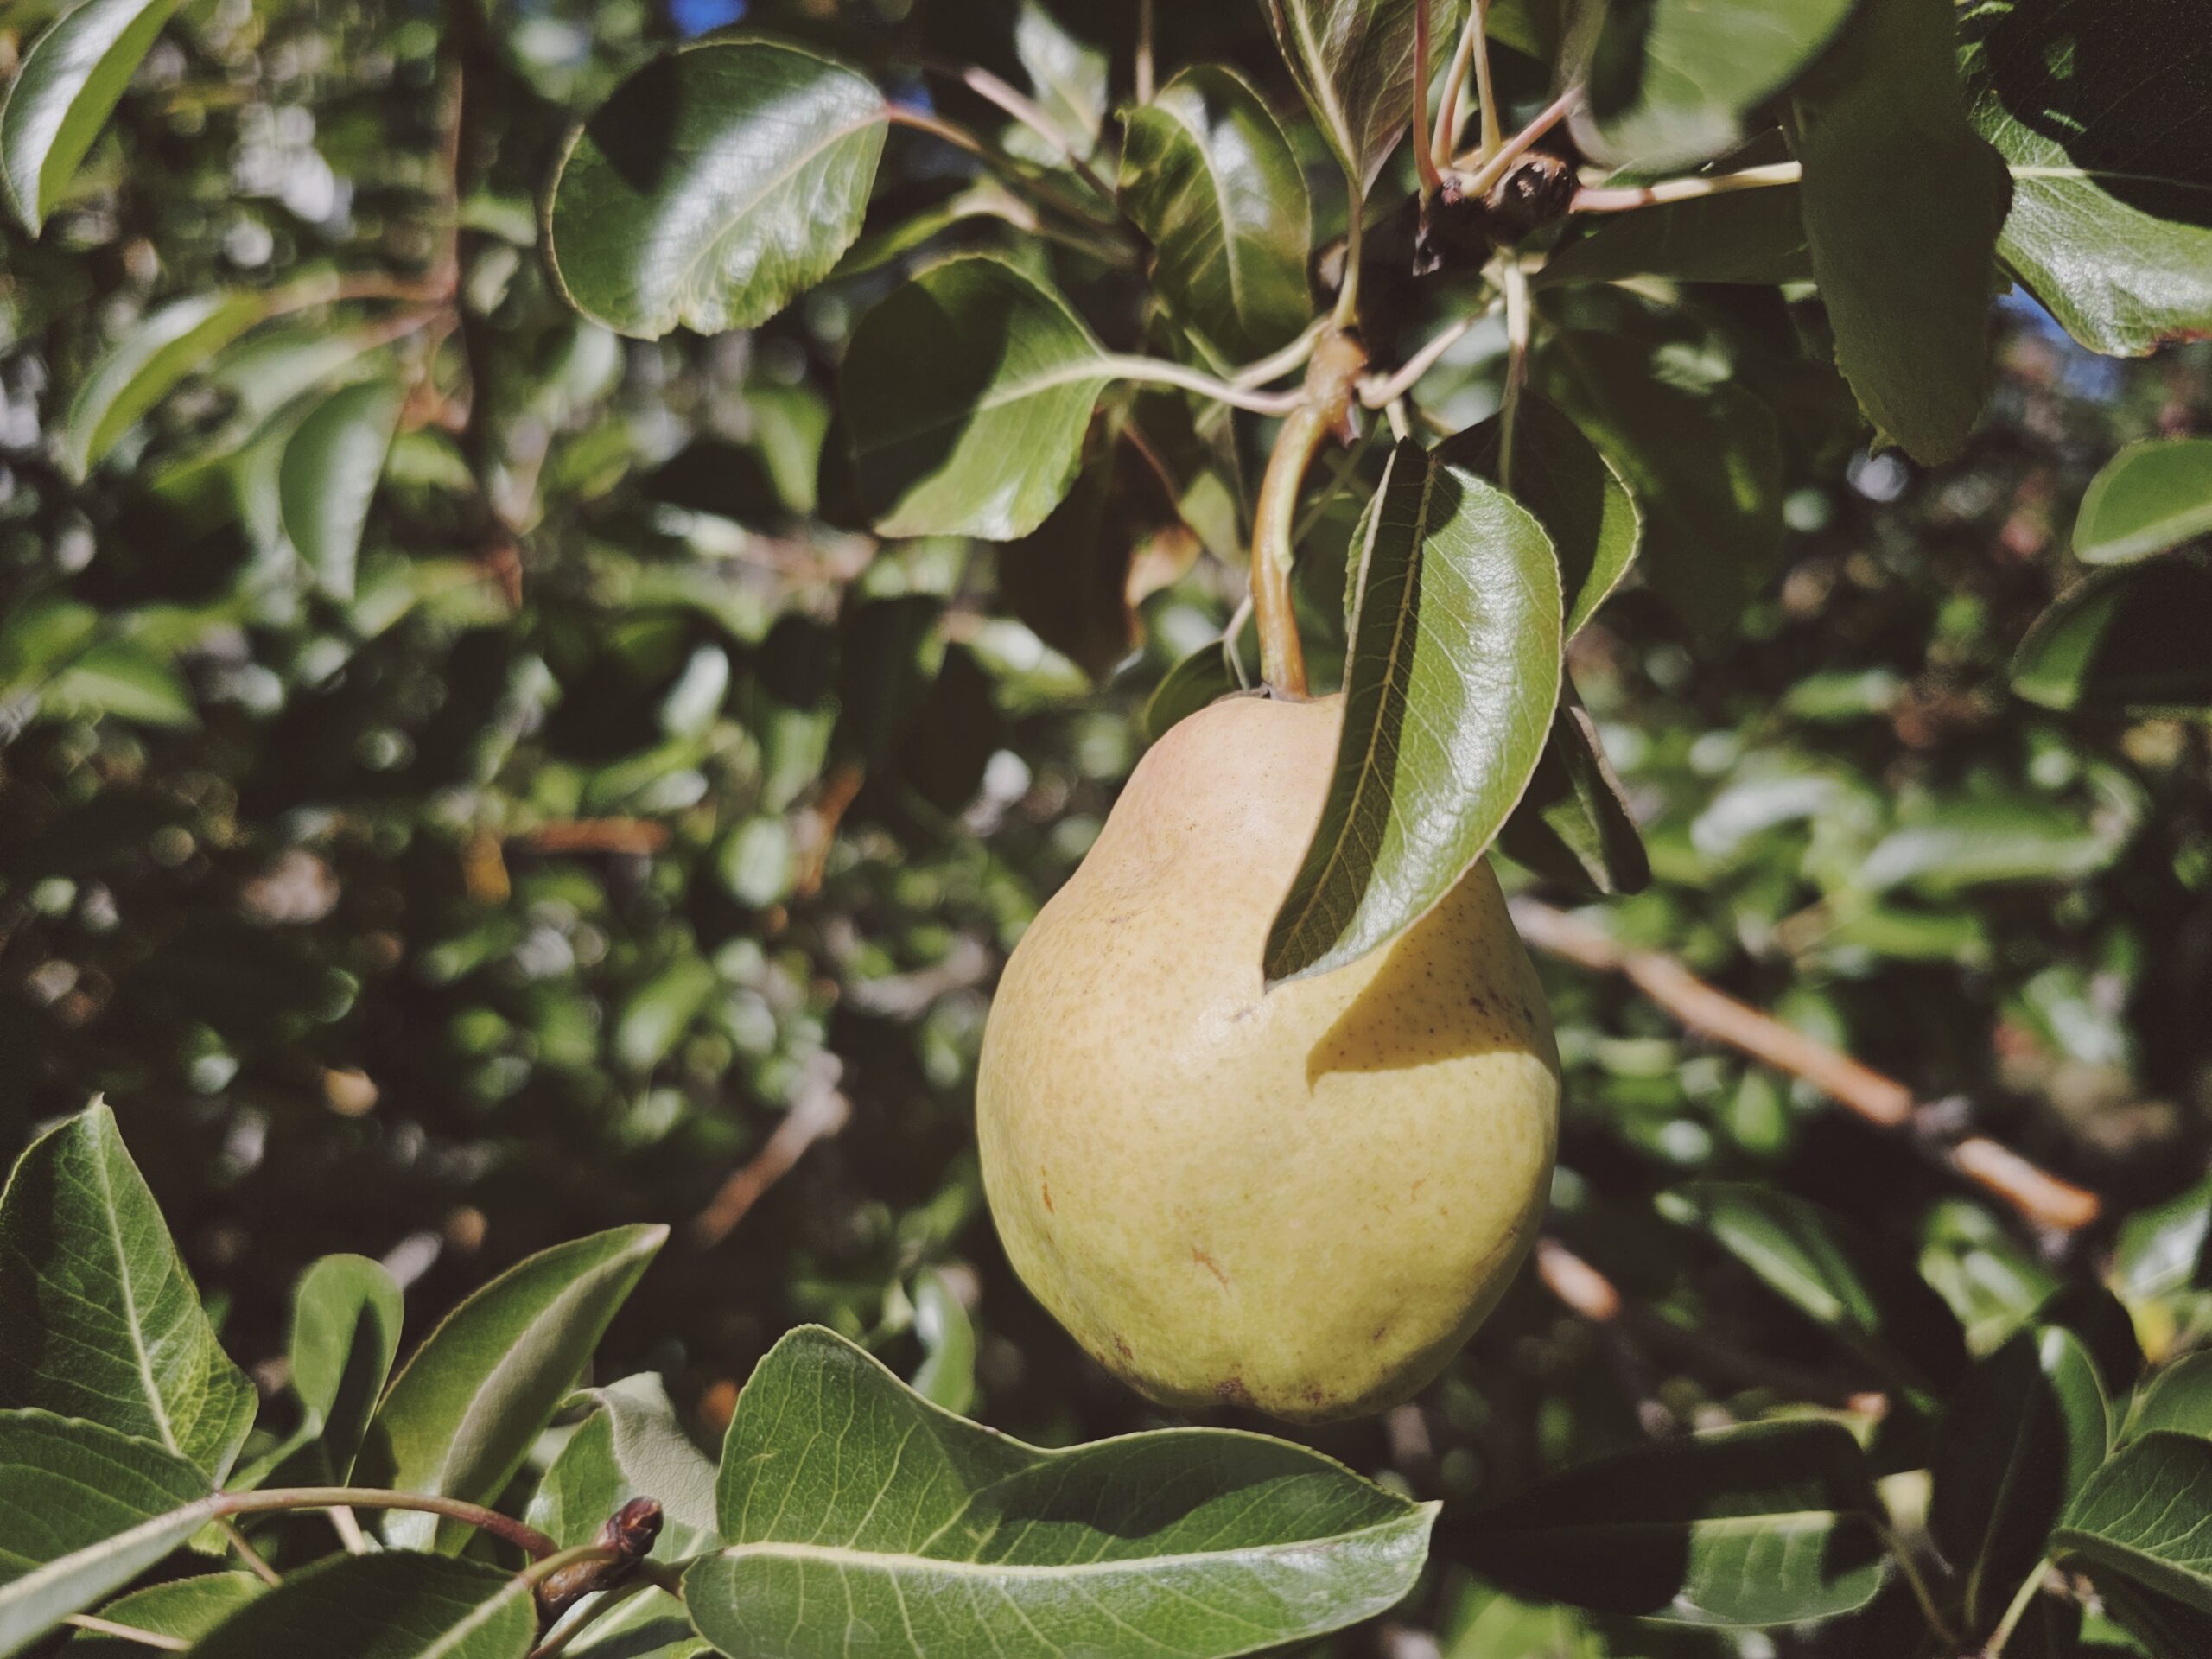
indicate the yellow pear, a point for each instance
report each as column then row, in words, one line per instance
column 1302, row 1200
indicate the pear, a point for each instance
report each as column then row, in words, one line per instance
column 1301, row 1199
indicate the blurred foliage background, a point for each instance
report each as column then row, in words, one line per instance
column 632, row 821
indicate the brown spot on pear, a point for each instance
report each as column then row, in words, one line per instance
column 1134, row 1050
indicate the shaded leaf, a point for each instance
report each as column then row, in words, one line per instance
column 2128, row 637
column 1189, row 686
column 1903, row 201
column 1881, row 1310
column 966, row 394
column 346, row 1316
column 2177, row 1401
column 2161, row 1247
column 2020, row 1438
column 715, row 185
column 125, row 677
column 1354, row 61
column 143, row 367
column 1454, row 672
column 2149, row 496
column 631, row 1446
column 1733, row 236
column 461, row 1415
column 1769, row 1523
column 863, row 1521
column 396, row 1604
column 1950, row 846
column 946, row 1376
column 2147, row 1514
column 1573, row 826
column 83, row 1511
column 1209, row 176
column 65, row 89
column 1574, row 493
column 661, row 1010
column 185, row 1609
column 2112, row 216
column 1676, row 81
column 99, row 1319
column 332, row 463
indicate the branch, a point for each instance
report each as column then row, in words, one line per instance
column 127, row 1633
column 1377, row 391
column 1604, row 199
column 818, row 1110
column 2034, row 1193
column 1160, row 372
column 528, row 1539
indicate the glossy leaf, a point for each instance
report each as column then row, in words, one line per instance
column 2177, row 1401
column 1704, row 458
column 83, row 1511
column 2147, row 1514
column 461, row 1415
column 2023, row 1434
column 1676, row 81
column 183, row 1609
column 1574, row 493
column 346, row 1316
column 863, row 1521
column 396, row 1604
column 1454, row 672
column 2149, row 496
column 631, row 1446
column 2129, row 638
column 145, row 365
column 2111, row 217
column 99, row 1319
column 966, row 393
column 1815, row 1260
column 714, row 186
column 1354, row 61
column 1903, row 201
column 329, row 474
column 1769, row 1523
column 1573, row 826
column 65, row 89
column 1208, row 176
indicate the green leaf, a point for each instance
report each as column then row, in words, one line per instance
column 2149, row 496
column 1734, row 236
column 2177, row 1401
column 2147, row 1514
column 966, row 393
column 1704, row 457
column 1673, row 82
column 2166, row 1628
column 2022, row 1435
column 396, row 1604
column 127, row 679
column 2112, row 216
column 1574, row 492
column 2161, row 1247
column 661, row 1010
column 1454, row 672
column 143, row 367
column 1815, row 1260
column 1198, row 680
column 631, row 1446
column 66, row 88
column 1768, row 1523
column 183, row 1609
column 1489, row 1624
column 2130, row 637
column 1903, row 202
column 717, row 184
column 1573, row 826
column 99, row 1319
column 83, row 1511
column 346, row 1317
column 1952, row 845
column 946, row 1376
column 329, row 474
column 865, row 1521
column 1069, row 79
column 1354, row 61
column 461, row 1415
column 649, row 1625
column 1209, row 176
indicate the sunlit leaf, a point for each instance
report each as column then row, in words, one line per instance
column 146, row 363
column 2147, row 1514
column 183, row 1609
column 65, row 89
column 2149, row 496
column 126, row 677
column 1354, row 61
column 863, row 1521
column 345, row 1314
column 1454, row 672
column 329, row 474
column 717, row 184
column 631, row 1446
column 2177, row 1401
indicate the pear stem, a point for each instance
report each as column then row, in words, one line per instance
column 1325, row 405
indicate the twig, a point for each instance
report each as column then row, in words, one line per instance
column 1491, row 129
column 1602, row 198
column 1376, row 392
column 818, row 1110
column 1278, row 364
column 950, row 132
column 989, row 87
column 557, row 1640
column 526, row 1538
column 1517, row 323
column 2023, row 1598
column 2034, row 1193
column 1424, row 159
column 128, row 1633
column 1160, row 372
column 1144, row 51
column 1488, row 169
column 1324, row 404
column 1449, row 118
column 247, row 1553
column 342, row 1522
column 640, row 835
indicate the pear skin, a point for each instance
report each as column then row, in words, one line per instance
column 1304, row 1199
